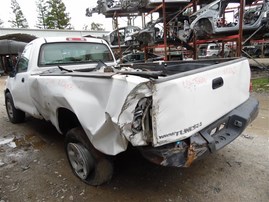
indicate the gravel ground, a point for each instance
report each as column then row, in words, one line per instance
column 34, row 167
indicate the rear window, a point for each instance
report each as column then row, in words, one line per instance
column 213, row 47
column 203, row 47
column 73, row 52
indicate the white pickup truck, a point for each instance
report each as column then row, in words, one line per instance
column 172, row 112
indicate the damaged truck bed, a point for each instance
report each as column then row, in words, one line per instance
column 173, row 112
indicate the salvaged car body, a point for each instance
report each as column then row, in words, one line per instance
column 139, row 57
column 122, row 37
column 173, row 112
column 108, row 7
column 221, row 17
column 257, row 50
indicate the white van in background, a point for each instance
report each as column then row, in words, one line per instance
column 213, row 50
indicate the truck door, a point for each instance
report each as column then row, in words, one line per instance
column 20, row 83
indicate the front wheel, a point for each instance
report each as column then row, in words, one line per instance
column 14, row 115
column 88, row 164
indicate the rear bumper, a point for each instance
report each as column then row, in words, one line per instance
column 209, row 140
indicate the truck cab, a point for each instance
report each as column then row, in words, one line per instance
column 44, row 54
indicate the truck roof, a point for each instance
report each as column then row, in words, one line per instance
column 69, row 39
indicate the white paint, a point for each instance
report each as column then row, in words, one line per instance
column 191, row 102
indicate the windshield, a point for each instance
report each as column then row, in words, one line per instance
column 73, row 53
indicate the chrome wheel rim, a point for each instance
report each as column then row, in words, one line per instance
column 80, row 159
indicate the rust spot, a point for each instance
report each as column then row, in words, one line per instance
column 191, row 156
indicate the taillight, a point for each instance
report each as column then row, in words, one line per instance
column 76, row 39
column 250, row 87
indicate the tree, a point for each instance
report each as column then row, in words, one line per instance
column 97, row 27
column 42, row 14
column 57, row 17
column 19, row 21
column 85, row 27
column 18, row 37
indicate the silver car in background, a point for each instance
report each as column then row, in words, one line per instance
column 222, row 17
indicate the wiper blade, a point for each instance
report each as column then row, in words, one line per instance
column 63, row 69
column 85, row 70
column 100, row 64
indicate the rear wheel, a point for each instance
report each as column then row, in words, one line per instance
column 90, row 165
column 14, row 115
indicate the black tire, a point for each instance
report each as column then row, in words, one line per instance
column 97, row 168
column 14, row 115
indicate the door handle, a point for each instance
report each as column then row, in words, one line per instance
column 217, row 83
column 22, row 80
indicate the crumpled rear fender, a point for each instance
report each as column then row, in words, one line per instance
column 103, row 105
column 126, row 118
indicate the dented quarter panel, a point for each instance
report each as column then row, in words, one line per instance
column 126, row 118
column 97, row 102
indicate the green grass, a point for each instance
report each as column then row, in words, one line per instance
column 260, row 84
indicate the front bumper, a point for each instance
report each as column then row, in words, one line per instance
column 209, row 140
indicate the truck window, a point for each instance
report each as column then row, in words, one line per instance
column 22, row 64
column 70, row 53
column 117, row 36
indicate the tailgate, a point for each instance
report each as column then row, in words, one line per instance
column 184, row 104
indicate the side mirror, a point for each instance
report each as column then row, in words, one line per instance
column 11, row 71
column 12, row 74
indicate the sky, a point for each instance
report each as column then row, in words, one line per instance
column 75, row 8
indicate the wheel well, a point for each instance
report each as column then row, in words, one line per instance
column 204, row 26
column 207, row 22
column 6, row 91
column 67, row 120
